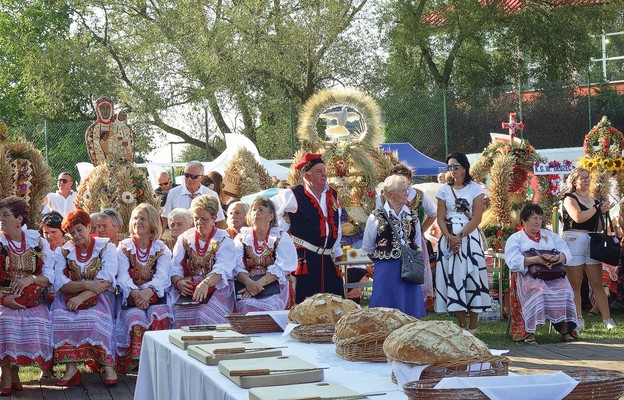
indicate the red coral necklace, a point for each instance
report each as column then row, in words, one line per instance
column 259, row 249
column 87, row 256
column 141, row 255
column 201, row 251
column 14, row 248
column 535, row 238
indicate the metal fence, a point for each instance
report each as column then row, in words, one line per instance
column 555, row 116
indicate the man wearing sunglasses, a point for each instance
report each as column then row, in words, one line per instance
column 182, row 195
column 61, row 201
column 165, row 184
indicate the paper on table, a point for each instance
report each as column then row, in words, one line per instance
column 516, row 387
column 289, row 328
column 280, row 317
column 405, row 372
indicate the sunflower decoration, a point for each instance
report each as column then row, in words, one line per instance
column 603, row 147
column 345, row 126
column 23, row 173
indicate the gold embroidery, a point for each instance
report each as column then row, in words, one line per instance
column 142, row 273
column 260, row 263
column 197, row 265
column 73, row 270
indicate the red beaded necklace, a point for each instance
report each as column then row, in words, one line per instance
column 259, row 249
column 535, row 238
column 142, row 256
column 84, row 259
column 14, row 249
column 201, row 251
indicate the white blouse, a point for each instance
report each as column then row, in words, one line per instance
column 285, row 253
column 161, row 280
column 109, row 262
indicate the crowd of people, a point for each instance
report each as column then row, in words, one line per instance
column 79, row 291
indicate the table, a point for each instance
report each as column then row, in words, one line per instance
column 344, row 265
column 168, row 372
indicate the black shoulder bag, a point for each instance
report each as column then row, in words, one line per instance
column 603, row 246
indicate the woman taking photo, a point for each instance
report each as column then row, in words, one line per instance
column 82, row 312
column 581, row 214
column 540, row 300
column 384, row 248
column 461, row 275
column 26, row 267
column 203, row 261
column 264, row 256
column 144, row 266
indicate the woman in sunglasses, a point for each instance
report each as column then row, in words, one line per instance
column 51, row 229
column 144, row 264
column 26, row 267
column 461, row 275
column 203, row 260
column 82, row 312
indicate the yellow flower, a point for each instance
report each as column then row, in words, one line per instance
column 607, row 163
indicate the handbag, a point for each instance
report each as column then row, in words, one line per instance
column 31, row 296
column 603, row 246
column 269, row 290
column 540, row 271
column 88, row 303
column 412, row 262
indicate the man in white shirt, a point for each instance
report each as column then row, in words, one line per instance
column 61, row 201
column 181, row 196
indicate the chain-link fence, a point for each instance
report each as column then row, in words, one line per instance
column 554, row 116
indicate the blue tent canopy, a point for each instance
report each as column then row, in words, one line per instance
column 421, row 164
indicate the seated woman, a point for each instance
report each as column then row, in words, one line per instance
column 51, row 230
column 236, row 217
column 203, row 261
column 180, row 220
column 82, row 313
column 144, row 265
column 540, row 300
column 26, row 267
column 384, row 248
column 264, row 254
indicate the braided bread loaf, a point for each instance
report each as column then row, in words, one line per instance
column 371, row 320
column 433, row 342
column 321, row 308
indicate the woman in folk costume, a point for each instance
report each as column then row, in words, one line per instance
column 264, row 255
column 203, row 261
column 538, row 300
column 26, row 267
column 384, row 248
column 82, row 313
column 144, row 266
column 461, row 275
column 426, row 211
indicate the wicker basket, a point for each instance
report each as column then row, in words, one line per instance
column 366, row 347
column 593, row 384
column 596, row 384
column 468, row 367
column 315, row 333
column 245, row 324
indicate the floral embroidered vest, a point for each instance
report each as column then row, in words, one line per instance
column 258, row 264
column 195, row 265
column 73, row 271
column 14, row 266
column 141, row 274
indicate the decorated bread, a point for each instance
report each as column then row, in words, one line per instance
column 433, row 342
column 371, row 320
column 321, row 308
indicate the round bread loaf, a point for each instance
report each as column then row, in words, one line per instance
column 321, row 308
column 371, row 320
column 433, row 342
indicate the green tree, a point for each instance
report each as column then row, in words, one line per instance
column 228, row 57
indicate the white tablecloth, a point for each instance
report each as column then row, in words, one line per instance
column 167, row 372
